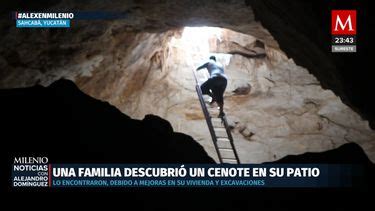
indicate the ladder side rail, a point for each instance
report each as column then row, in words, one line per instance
column 226, row 125
column 207, row 117
column 209, row 123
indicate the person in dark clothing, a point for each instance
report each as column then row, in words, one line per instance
column 215, row 86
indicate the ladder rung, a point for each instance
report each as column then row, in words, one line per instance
column 217, row 126
column 226, row 149
column 229, row 159
column 223, row 139
column 231, row 162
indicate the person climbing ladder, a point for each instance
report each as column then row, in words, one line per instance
column 218, row 126
column 215, row 86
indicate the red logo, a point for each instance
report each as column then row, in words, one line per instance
column 344, row 22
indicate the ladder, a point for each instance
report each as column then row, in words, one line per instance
column 219, row 131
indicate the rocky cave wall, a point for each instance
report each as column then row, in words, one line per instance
column 138, row 65
column 275, row 107
column 302, row 28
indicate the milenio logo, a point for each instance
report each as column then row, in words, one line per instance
column 344, row 30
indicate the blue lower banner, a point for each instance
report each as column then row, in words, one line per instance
column 177, row 175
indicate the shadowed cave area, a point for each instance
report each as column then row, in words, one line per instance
column 286, row 95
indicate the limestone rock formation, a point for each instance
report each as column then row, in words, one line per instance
column 242, row 90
